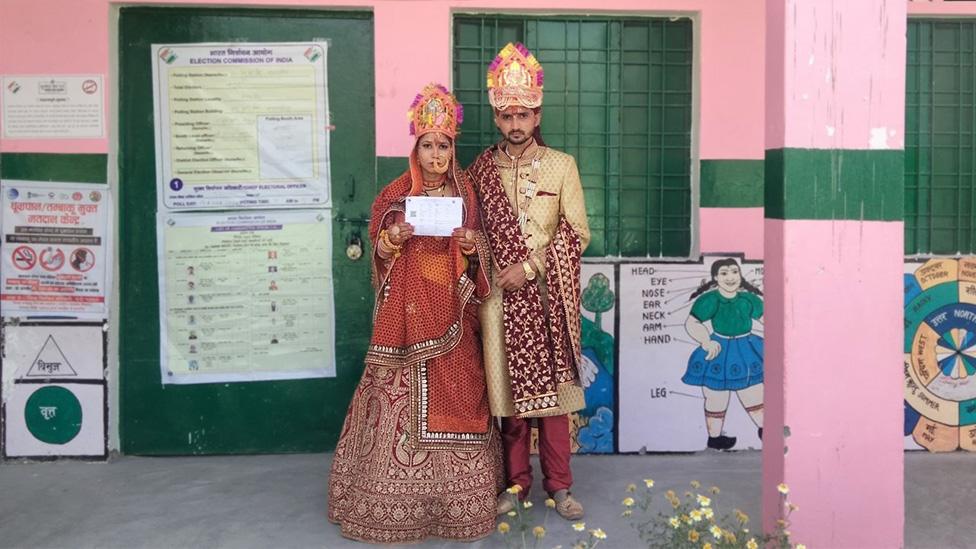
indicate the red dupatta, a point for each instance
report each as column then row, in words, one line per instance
column 420, row 304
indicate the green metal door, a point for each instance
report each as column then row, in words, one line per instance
column 280, row 416
column 618, row 97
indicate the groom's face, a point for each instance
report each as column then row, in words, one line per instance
column 517, row 123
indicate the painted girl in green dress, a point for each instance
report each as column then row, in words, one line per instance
column 730, row 358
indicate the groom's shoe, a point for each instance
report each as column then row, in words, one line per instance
column 567, row 506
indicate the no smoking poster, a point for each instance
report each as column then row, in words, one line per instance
column 55, row 251
column 54, row 394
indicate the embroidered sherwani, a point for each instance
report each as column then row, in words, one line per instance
column 558, row 198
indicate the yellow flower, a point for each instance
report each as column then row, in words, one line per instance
column 793, row 506
column 783, row 488
column 714, row 490
column 730, row 537
column 741, row 517
column 751, row 544
column 631, row 487
column 706, row 545
column 696, row 515
column 550, row 503
column 503, row 527
column 674, row 522
column 716, row 532
column 704, row 501
column 693, row 536
column 539, row 532
column 695, row 484
column 708, row 512
column 626, row 513
column 689, row 494
column 800, row 546
column 675, row 503
column 628, row 502
column 512, row 513
column 686, row 518
column 599, row 534
column 514, row 489
column 781, row 522
column 649, row 482
column 670, row 494
column 579, row 526
column 527, row 504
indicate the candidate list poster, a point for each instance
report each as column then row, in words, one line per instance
column 55, row 254
column 246, row 296
column 241, row 125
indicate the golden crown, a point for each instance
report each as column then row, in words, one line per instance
column 515, row 78
column 435, row 110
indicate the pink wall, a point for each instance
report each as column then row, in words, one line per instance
column 42, row 37
column 824, row 91
column 843, row 400
column 413, row 46
column 732, row 230
column 940, row 8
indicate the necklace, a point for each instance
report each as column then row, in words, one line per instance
column 439, row 188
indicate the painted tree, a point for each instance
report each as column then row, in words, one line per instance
column 598, row 298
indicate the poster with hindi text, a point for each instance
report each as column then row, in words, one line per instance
column 246, row 296
column 241, row 125
column 56, row 254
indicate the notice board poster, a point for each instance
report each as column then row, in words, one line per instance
column 55, row 252
column 246, row 296
column 53, row 106
column 241, row 125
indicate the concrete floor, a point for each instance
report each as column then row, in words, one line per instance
column 280, row 501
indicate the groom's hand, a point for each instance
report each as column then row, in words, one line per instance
column 512, row 277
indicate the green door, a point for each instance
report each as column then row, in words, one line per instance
column 256, row 417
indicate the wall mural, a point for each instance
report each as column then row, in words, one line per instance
column 940, row 354
column 691, row 348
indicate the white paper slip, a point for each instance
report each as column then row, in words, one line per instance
column 433, row 216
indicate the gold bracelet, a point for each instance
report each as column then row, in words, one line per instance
column 395, row 249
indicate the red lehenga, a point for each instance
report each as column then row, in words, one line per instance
column 419, row 455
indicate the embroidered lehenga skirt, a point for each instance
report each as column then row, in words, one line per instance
column 382, row 490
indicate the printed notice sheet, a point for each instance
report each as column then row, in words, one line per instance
column 246, row 296
column 241, row 125
column 53, row 107
column 55, row 258
column 433, row 216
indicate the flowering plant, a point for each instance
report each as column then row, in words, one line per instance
column 518, row 532
column 693, row 521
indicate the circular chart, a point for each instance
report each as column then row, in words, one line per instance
column 940, row 354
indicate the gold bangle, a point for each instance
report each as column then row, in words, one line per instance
column 395, row 249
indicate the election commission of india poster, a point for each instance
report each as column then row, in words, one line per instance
column 246, row 296
column 241, row 125
column 56, row 253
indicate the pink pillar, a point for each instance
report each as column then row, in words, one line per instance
column 833, row 253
